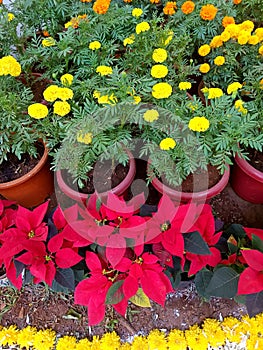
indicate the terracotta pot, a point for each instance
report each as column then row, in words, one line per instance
column 82, row 197
column 32, row 188
column 247, row 181
column 198, row 197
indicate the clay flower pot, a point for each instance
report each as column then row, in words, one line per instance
column 32, row 188
column 120, row 189
column 195, row 197
column 247, row 181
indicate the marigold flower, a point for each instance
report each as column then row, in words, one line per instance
column 25, row 337
column 61, row 108
column 37, row 111
column 159, row 71
column 45, row 33
column 247, row 25
column 104, row 70
column 260, row 50
column 10, row 17
column 94, row 45
column 219, row 60
column 236, row 2
column 137, row 99
column 9, row 65
column 129, row 40
column 261, row 84
column 159, row 55
column 199, row 124
column 188, row 7
column 233, row 87
column 225, row 36
column 243, row 37
column 167, row 144
column 259, row 33
column 142, row 27
column 48, row 42
column 161, row 90
column 44, row 340
column 151, row 115
column 169, row 8
column 233, row 29
column 84, row 138
column 169, row 38
column 66, row 79
column 253, row 40
column 239, row 106
column 137, row 12
column 204, row 68
column 156, row 340
column 51, row 93
column 101, row 6
column 66, row 342
column 214, row 93
column 208, row 12
column 227, row 20
column 8, row 335
column 64, row 93
column 110, row 341
column 216, row 41
column 185, row 85
column 204, row 50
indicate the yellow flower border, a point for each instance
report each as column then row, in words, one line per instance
column 212, row 333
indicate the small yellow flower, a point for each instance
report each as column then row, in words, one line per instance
column 198, row 124
column 204, row 50
column 161, row 90
column 259, row 33
column 204, row 68
column 84, row 138
column 142, row 27
column 37, row 111
column 225, row 36
column 247, row 25
column 64, row 93
column 185, row 85
column 110, row 341
column 61, row 108
column 219, row 60
column 44, row 340
column 51, row 93
column 137, row 99
column 129, row 40
column 159, row 55
column 10, row 16
column 260, row 50
column 25, row 337
column 239, row 106
column 233, row 87
column 159, row 71
column 137, row 12
column 104, row 70
column 9, row 65
column 151, row 115
column 214, row 93
column 94, row 45
column 243, row 37
column 48, row 42
column 66, row 79
column 167, row 144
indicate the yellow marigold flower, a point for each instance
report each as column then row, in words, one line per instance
column 219, row 60
column 137, row 99
column 51, row 93
column 214, row 93
column 233, row 87
column 176, row 340
column 101, row 6
column 129, row 40
column 216, row 41
column 161, row 90
column 185, row 85
column 261, row 84
column 10, row 16
column 260, row 50
column 104, row 70
column 167, row 144
column 83, row 344
column 48, row 42
column 37, row 111
column 110, row 341
column 159, row 55
column 25, row 337
column 95, row 45
column 169, row 8
column 227, row 20
column 233, row 30
column 139, row 343
column 253, row 40
column 204, row 50
column 225, row 36
column 243, row 37
column 208, row 12
column 61, row 108
column 137, row 12
column 64, row 93
column 142, row 27
column 247, row 25
column 106, row 99
column 198, row 124
column 204, row 68
column 84, row 138
column 68, row 24
column 239, row 106
column 159, row 71
column 151, row 115
column 125, row 346
column 154, row 1
column 169, row 38
column 259, row 33
column 156, row 339
column 8, row 336
column 9, row 65
column 66, row 343
column 66, row 79
column 188, row 7
column 44, row 340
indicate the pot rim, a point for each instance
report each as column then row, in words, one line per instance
column 249, row 169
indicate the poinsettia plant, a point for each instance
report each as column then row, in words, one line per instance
column 116, row 252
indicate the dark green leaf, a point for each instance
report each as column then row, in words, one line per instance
column 254, row 303
column 115, row 294
column 223, row 283
column 257, row 243
column 202, row 280
column 236, row 230
column 174, row 277
column 194, row 243
column 65, row 277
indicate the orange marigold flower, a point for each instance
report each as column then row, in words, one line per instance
column 101, row 6
column 45, row 33
column 155, row 1
column 85, row 0
column 169, row 8
column 127, row 1
column 188, row 7
column 227, row 20
column 236, row 2
column 208, row 12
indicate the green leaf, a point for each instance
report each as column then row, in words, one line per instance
column 140, row 299
column 257, row 243
column 65, row 277
column 194, row 243
column 254, row 303
column 223, row 283
column 236, row 230
column 115, row 294
column 202, row 280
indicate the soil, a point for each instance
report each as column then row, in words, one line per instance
column 255, row 159
column 37, row 84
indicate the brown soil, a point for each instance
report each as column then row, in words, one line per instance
column 255, row 159
column 37, row 84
